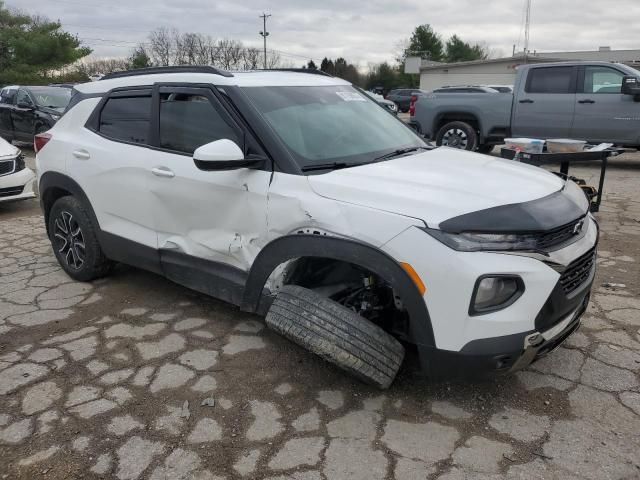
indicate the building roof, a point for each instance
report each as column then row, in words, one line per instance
column 628, row 57
column 515, row 59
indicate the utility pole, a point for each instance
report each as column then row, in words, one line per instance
column 527, row 25
column 264, row 34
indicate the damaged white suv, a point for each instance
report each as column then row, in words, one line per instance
column 297, row 196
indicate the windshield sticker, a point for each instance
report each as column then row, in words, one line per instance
column 351, row 96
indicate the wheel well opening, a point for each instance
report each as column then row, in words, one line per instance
column 49, row 197
column 352, row 286
column 458, row 117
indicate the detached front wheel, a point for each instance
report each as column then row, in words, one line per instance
column 336, row 334
column 457, row 135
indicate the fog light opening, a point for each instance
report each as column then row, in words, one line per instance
column 495, row 292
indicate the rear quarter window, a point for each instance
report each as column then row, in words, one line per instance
column 126, row 119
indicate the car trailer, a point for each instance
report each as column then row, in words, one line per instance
column 565, row 160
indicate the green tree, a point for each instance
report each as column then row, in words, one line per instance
column 312, row 65
column 327, row 66
column 139, row 58
column 383, row 76
column 458, row 50
column 425, row 43
column 34, row 50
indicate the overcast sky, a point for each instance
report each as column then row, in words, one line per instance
column 360, row 31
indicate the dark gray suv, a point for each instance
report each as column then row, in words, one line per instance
column 402, row 97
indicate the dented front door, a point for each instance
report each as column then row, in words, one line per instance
column 213, row 215
column 218, row 216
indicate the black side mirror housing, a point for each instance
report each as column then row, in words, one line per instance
column 25, row 105
column 630, row 85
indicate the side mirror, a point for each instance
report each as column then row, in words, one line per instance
column 25, row 105
column 630, row 85
column 223, row 155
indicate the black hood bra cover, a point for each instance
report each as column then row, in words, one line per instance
column 540, row 215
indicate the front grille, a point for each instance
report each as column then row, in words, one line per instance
column 578, row 271
column 559, row 235
column 7, row 166
column 11, row 191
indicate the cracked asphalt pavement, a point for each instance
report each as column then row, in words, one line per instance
column 135, row 377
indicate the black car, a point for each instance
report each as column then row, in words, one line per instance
column 402, row 97
column 26, row 111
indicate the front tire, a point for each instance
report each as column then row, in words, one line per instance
column 336, row 334
column 457, row 135
column 75, row 241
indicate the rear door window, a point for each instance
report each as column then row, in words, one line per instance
column 551, row 80
column 126, row 119
column 189, row 120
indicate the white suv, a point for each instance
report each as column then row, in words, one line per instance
column 296, row 196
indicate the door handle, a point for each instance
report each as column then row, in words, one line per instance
column 588, row 100
column 81, row 154
column 162, row 172
column 526, row 100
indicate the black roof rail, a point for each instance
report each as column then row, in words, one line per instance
column 174, row 69
column 313, row 71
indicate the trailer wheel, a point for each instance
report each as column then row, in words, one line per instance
column 336, row 334
column 457, row 135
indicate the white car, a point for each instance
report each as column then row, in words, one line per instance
column 16, row 180
column 267, row 190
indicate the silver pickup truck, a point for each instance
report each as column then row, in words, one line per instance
column 593, row 101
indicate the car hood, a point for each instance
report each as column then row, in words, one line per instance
column 7, row 150
column 52, row 110
column 436, row 185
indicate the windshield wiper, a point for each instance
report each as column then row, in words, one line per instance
column 327, row 166
column 398, row 152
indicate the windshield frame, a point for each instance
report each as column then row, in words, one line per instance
column 55, row 92
column 350, row 160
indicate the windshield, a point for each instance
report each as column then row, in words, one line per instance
column 324, row 125
column 634, row 71
column 52, row 97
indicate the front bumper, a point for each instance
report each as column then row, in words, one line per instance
column 502, row 354
column 17, row 186
column 557, row 293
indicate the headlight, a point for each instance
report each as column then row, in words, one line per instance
column 474, row 242
column 495, row 292
column 55, row 117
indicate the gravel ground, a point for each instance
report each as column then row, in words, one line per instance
column 135, row 377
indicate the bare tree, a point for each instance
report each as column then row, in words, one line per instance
column 102, row 66
column 170, row 47
column 160, row 46
column 274, row 60
column 251, row 58
column 203, row 49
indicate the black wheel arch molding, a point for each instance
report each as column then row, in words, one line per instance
column 295, row 246
column 53, row 185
